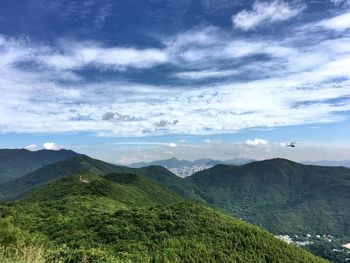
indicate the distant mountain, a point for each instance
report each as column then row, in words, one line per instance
column 344, row 163
column 168, row 163
column 17, row 162
column 175, row 163
column 89, row 216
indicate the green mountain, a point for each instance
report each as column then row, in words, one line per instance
column 165, row 177
column 18, row 162
column 83, row 164
column 280, row 195
column 87, row 217
column 80, row 164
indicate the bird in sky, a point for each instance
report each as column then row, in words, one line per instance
column 292, row 144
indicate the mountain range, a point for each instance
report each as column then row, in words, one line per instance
column 173, row 162
column 176, row 163
column 279, row 195
column 17, row 162
column 345, row 163
column 85, row 210
column 267, row 193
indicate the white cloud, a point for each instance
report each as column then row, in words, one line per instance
column 115, row 57
column 51, row 146
column 265, row 12
column 77, row 55
column 31, row 147
column 340, row 2
column 338, row 23
column 256, row 142
column 205, row 74
column 172, row 145
column 298, row 81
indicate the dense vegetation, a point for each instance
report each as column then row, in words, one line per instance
column 332, row 251
column 49, row 173
column 17, row 162
column 282, row 196
column 165, row 177
column 128, row 218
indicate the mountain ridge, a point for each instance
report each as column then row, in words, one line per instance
column 176, row 163
column 119, row 217
column 18, row 162
column 276, row 190
column 79, row 164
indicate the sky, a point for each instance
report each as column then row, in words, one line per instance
column 141, row 80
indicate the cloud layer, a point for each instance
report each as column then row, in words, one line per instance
column 213, row 81
column 266, row 12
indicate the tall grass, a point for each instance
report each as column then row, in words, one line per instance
column 22, row 254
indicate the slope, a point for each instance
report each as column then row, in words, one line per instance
column 81, row 164
column 170, row 180
column 17, row 162
column 115, row 218
column 280, row 195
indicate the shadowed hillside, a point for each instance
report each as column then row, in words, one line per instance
column 80, row 164
column 280, row 195
column 18, row 162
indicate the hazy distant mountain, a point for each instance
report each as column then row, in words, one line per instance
column 17, row 162
column 345, row 163
column 168, row 163
column 175, row 163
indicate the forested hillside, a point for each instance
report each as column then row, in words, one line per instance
column 127, row 217
column 18, row 162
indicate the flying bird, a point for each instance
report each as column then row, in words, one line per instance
column 292, row 144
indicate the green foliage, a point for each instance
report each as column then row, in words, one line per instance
column 129, row 218
column 22, row 254
column 332, row 251
column 77, row 165
column 183, row 187
column 18, row 162
column 165, row 233
column 282, row 196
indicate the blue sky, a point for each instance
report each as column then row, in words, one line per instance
column 145, row 80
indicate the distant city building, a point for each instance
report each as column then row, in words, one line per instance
column 285, row 238
column 185, row 171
